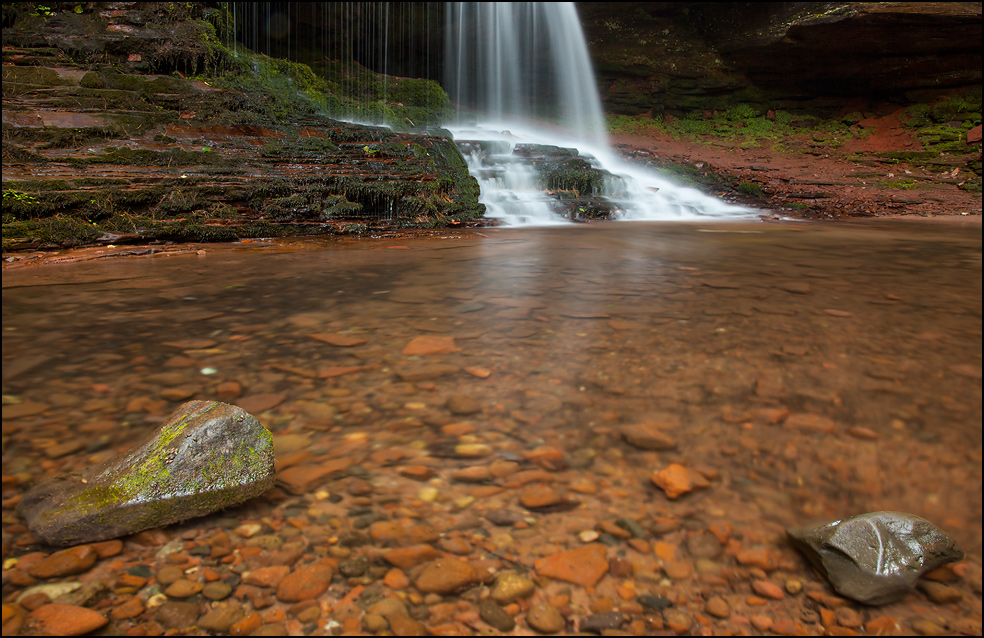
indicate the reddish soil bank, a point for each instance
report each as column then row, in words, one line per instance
column 801, row 178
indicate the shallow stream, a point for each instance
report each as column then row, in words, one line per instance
column 809, row 371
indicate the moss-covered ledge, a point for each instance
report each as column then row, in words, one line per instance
column 168, row 135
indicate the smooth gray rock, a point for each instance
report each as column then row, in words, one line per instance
column 207, row 456
column 876, row 558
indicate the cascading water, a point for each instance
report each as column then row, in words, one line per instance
column 529, row 123
column 524, row 86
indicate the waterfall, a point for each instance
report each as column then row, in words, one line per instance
column 521, row 78
column 528, row 121
column 511, row 62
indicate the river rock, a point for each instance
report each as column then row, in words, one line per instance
column 447, row 576
column 207, row 456
column 63, row 620
column 875, row 558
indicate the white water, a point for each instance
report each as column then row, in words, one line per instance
column 510, row 62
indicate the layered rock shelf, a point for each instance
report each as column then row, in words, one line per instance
column 96, row 149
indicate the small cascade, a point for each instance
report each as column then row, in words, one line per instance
column 531, row 126
column 529, row 178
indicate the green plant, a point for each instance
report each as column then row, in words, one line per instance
column 635, row 125
column 11, row 196
column 904, row 184
column 751, row 189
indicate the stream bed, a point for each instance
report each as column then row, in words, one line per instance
column 475, row 389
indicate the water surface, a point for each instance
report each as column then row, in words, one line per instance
column 813, row 371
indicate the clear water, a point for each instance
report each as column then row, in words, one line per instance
column 854, row 330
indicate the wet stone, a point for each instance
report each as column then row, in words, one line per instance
column 545, row 618
column 768, row 589
column 717, row 607
column 205, row 457
column 177, row 614
column 875, row 558
column 597, row 623
column 183, row 588
column 304, row 583
column 132, row 608
column 266, row 576
column 939, row 593
column 66, row 562
column 632, row 527
column 504, row 517
column 407, row 557
column 510, row 587
column 20, row 410
column 169, row 574
column 353, row 567
column 473, row 474
column 539, row 496
column 463, row 405
column 220, row 618
column 582, row 566
column 217, row 590
column 655, row 603
column 704, row 545
column 490, row 611
column 447, row 576
column 676, row 480
column 429, row 345
column 404, row 625
column 374, row 623
column 650, row 435
column 63, row 620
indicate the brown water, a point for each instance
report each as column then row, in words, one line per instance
column 812, row 371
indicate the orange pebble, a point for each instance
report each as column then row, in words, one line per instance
column 396, row 579
column 626, row 590
column 828, row 618
column 664, row 550
column 468, row 617
column 352, row 626
column 294, row 627
column 246, row 625
column 274, row 614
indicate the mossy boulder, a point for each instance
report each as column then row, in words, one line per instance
column 207, row 456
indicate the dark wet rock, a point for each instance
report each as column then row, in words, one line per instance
column 207, row 456
column 632, row 527
column 463, row 405
column 496, row 616
column 504, row 517
column 354, row 567
column 654, row 602
column 177, row 614
column 597, row 623
column 875, row 558
column 221, row 617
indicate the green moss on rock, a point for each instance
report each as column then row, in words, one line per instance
column 205, row 457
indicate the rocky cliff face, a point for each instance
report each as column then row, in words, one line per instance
column 679, row 56
column 108, row 138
